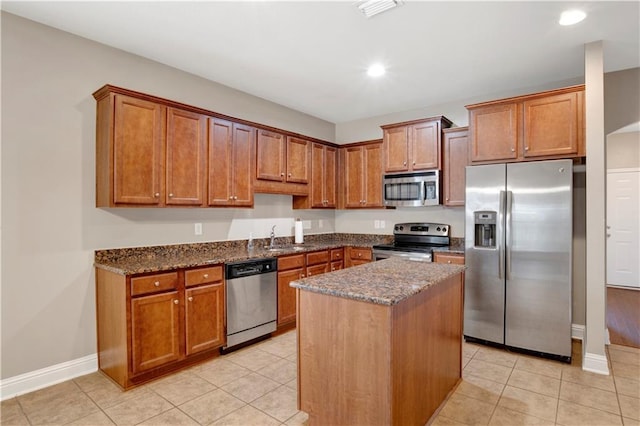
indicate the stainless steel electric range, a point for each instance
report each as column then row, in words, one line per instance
column 414, row 241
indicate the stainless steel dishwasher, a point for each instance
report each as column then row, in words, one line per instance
column 252, row 299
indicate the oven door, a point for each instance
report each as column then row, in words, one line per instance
column 379, row 254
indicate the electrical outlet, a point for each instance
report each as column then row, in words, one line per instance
column 376, row 224
column 197, row 229
column 320, row 223
column 383, row 224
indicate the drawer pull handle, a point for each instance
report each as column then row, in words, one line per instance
column 206, row 275
column 157, row 283
column 190, row 298
column 176, row 301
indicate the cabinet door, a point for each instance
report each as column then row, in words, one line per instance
column 494, row 132
column 243, row 159
column 298, row 161
column 317, row 269
column 455, row 159
column 220, row 162
column 551, row 125
column 424, row 140
column 354, row 177
column 204, row 317
column 270, row 151
column 287, row 295
column 373, row 176
column 186, row 162
column 138, row 136
column 155, row 331
column 330, row 164
column 396, row 149
column 317, row 175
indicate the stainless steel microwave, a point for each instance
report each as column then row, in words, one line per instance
column 412, row 189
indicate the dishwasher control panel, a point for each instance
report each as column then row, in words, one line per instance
column 246, row 268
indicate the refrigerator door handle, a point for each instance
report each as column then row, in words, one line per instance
column 509, row 239
column 500, row 236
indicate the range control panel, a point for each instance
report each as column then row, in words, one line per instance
column 431, row 229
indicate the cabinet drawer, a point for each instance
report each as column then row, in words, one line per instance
column 317, row 257
column 203, row 275
column 337, row 254
column 154, row 283
column 337, row 265
column 290, row 262
column 453, row 258
column 361, row 253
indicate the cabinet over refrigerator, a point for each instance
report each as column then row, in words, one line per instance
column 518, row 240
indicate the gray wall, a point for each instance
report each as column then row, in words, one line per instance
column 50, row 224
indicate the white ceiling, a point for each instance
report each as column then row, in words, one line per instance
column 312, row 56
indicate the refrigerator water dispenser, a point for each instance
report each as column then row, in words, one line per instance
column 485, row 229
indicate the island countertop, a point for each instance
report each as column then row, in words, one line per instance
column 385, row 282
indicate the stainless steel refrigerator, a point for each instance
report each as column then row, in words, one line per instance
column 518, row 239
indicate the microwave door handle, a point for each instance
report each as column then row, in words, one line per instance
column 423, row 196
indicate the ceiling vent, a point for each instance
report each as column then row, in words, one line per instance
column 373, row 7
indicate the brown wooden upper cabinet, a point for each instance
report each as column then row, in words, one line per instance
column 455, row 158
column 282, row 158
column 148, row 154
column 231, row 158
column 361, row 176
column 539, row 126
column 322, row 192
column 413, row 145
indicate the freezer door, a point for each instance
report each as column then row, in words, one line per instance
column 484, row 277
column 538, row 256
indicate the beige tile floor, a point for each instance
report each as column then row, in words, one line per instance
column 257, row 386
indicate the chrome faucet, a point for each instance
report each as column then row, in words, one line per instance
column 273, row 236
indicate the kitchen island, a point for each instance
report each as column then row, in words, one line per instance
column 379, row 344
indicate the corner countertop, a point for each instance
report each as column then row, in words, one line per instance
column 139, row 260
column 386, row 282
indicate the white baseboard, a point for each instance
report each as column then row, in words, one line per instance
column 34, row 380
column 577, row 331
column 595, row 363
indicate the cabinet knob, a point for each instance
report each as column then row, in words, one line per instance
column 289, row 175
column 157, row 194
column 513, row 150
column 282, row 174
column 448, row 261
column 235, row 197
column 176, row 301
column 526, row 148
column 206, row 275
column 308, row 274
column 414, row 163
column 190, row 299
column 359, row 254
column 157, row 283
column 404, row 163
column 231, row 197
column 171, row 195
column 446, row 199
column 301, row 275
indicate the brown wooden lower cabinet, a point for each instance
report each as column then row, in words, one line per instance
column 153, row 324
column 452, row 258
column 369, row 364
column 357, row 256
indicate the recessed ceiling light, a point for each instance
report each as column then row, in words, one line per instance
column 376, row 70
column 570, row 17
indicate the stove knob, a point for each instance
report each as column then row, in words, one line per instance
column 438, row 229
column 444, row 229
column 402, row 228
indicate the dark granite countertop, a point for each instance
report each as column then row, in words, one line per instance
column 385, row 282
column 138, row 260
